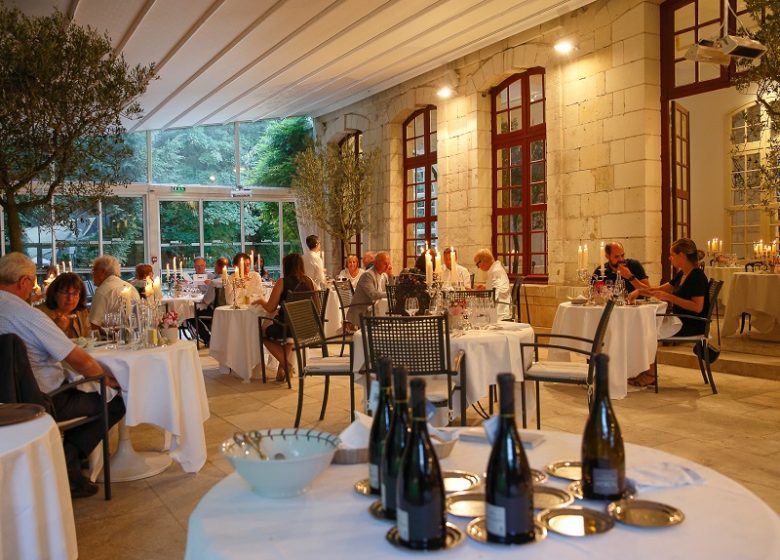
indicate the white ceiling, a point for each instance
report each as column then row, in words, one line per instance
column 226, row 60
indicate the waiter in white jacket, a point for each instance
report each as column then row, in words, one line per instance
column 496, row 278
column 313, row 263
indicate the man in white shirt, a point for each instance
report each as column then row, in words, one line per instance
column 462, row 274
column 201, row 278
column 108, row 297
column 313, row 263
column 47, row 346
column 370, row 288
column 253, row 284
column 496, row 278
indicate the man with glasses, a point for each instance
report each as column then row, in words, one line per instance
column 47, row 346
column 496, row 278
column 632, row 271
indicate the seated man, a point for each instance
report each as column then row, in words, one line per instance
column 201, row 278
column 209, row 302
column 370, row 288
column 496, row 278
column 460, row 275
column 47, row 346
column 209, row 298
column 368, row 259
column 108, row 296
column 253, row 284
column 630, row 270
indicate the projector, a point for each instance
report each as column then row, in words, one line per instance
column 743, row 47
column 704, row 51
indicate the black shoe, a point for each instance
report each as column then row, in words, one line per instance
column 81, row 487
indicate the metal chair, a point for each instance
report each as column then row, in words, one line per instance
column 319, row 297
column 562, row 372
column 306, row 330
column 705, row 359
column 517, row 293
column 397, row 294
column 749, row 267
column 344, row 292
column 422, row 345
column 454, row 295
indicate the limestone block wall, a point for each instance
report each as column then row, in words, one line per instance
column 603, row 141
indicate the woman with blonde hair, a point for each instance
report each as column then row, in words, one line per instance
column 496, row 278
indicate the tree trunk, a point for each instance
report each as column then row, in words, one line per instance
column 14, row 225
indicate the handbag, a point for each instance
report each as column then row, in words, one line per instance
column 713, row 352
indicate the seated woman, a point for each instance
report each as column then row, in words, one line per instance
column 265, row 276
column 687, row 293
column 294, row 280
column 66, row 305
column 353, row 272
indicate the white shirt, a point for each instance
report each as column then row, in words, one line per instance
column 107, row 298
column 354, row 281
column 463, row 276
column 315, row 268
column 498, row 279
column 46, row 344
column 253, row 287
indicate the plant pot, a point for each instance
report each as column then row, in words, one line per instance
column 171, row 334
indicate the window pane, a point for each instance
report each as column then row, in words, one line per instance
column 684, row 72
column 201, row 155
column 684, row 17
column 261, row 234
column 179, row 230
column 537, row 150
column 516, row 157
column 515, row 94
column 434, row 141
column 36, row 235
column 502, row 123
column 124, row 230
column 432, row 122
column 708, row 10
column 134, row 167
column 538, row 221
column 501, row 99
column 292, row 239
column 419, row 146
column 250, row 135
column 515, row 119
column 221, row 229
column 517, row 176
column 535, row 83
column 537, row 194
column 537, row 172
column 537, row 113
column 77, row 241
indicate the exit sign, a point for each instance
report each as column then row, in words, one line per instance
column 178, row 188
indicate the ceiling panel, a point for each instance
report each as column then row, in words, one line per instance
column 223, row 60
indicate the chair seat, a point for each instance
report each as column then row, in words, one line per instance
column 572, row 372
column 330, row 364
column 692, row 338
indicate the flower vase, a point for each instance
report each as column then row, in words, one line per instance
column 170, row 333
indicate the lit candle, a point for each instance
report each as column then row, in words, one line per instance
column 241, row 267
column 251, row 259
column 709, row 246
column 70, row 266
column 157, row 287
column 602, row 254
column 168, row 270
column 579, row 257
column 64, row 268
column 125, row 293
column 585, row 256
column 174, row 267
column 438, row 263
column 454, row 261
column 428, row 269
column 56, row 266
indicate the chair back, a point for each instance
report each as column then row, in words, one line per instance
column 713, row 290
column 344, row 292
column 455, row 295
column 304, row 324
column 17, row 380
column 219, row 297
column 421, row 344
column 318, row 297
column 753, row 266
column 397, row 295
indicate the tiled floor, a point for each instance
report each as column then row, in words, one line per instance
column 736, row 432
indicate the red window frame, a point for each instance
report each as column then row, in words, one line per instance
column 354, row 143
column 513, row 195
column 421, row 211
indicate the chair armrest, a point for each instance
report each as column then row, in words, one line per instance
column 565, row 336
column 68, row 386
column 682, row 316
column 535, row 347
column 457, row 363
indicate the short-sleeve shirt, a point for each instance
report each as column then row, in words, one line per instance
column 107, row 298
column 46, row 344
column 633, row 265
column 695, row 285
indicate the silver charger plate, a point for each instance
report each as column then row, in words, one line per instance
column 576, row 521
column 363, row 487
column 536, row 475
column 16, row 413
column 575, row 488
column 570, row 470
column 477, row 531
column 378, row 512
column 454, row 538
column 645, row 513
column 547, row 497
column 458, row 481
column 471, row 503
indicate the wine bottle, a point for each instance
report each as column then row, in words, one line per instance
column 395, row 444
column 603, row 456
column 381, row 424
column 509, row 488
column 420, row 514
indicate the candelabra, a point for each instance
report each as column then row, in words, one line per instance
column 238, row 284
column 584, row 276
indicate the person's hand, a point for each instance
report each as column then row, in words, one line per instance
column 479, row 287
column 62, row 321
column 632, row 296
column 624, row 271
column 661, row 295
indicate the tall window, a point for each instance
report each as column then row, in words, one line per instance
column 753, row 212
column 520, row 174
column 353, row 144
column 420, row 183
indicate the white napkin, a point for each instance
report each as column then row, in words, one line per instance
column 663, row 475
column 488, row 431
column 355, row 436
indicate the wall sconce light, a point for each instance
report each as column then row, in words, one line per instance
column 448, row 84
column 563, row 47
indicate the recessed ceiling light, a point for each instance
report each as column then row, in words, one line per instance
column 445, row 92
column 563, row 47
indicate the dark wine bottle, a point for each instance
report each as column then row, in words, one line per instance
column 509, row 488
column 381, row 424
column 420, row 514
column 395, row 444
column 603, row 456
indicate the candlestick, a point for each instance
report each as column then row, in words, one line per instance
column 454, row 261
column 428, row 268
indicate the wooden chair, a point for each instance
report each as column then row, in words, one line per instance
column 705, row 359
column 576, row 373
column 306, row 331
column 422, row 345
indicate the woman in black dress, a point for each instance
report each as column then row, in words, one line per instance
column 294, row 280
column 687, row 293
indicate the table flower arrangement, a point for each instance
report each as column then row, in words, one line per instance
column 169, row 326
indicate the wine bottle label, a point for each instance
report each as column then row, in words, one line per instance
column 373, row 475
column 402, row 524
column 373, row 397
column 496, row 520
column 605, row 481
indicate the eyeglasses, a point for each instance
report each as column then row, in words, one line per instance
column 69, row 294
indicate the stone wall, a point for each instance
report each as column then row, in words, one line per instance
column 603, row 141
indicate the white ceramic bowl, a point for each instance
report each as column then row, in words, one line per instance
column 306, row 454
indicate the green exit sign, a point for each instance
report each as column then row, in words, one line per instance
column 178, row 188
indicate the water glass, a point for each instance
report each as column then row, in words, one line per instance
column 412, row 306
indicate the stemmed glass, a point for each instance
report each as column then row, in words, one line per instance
column 111, row 325
column 412, row 306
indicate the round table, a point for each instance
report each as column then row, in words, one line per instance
column 726, row 275
column 36, row 514
column 630, row 342
column 184, row 306
column 723, row 519
column 162, row 386
column 235, row 339
column 755, row 293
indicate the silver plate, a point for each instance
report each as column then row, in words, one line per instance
column 644, row 513
column 453, row 539
column 16, row 413
column 471, row 503
column 363, row 487
column 570, row 470
column 378, row 512
column 477, row 531
column 547, row 497
column 576, row 521
column 458, row 481
column 538, row 476
column 575, row 488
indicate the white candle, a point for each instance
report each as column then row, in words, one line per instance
column 438, row 263
column 579, row 257
column 125, row 293
column 157, row 286
column 241, row 267
column 168, row 270
column 585, row 256
column 454, row 261
column 58, row 268
column 251, row 258
column 428, row 268
column 602, row 254
column 174, row 267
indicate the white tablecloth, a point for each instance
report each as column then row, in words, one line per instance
column 723, row 519
column 757, row 294
column 487, row 353
column 36, row 514
column 235, row 340
column 726, row 275
column 333, row 320
column 184, row 306
column 630, row 342
column 164, row 386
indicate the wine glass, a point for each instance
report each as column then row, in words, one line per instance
column 412, row 306
column 110, row 323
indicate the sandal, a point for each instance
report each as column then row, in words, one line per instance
column 644, row 379
column 281, row 375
